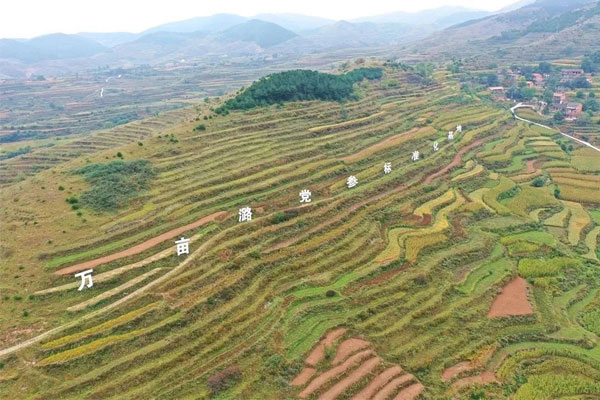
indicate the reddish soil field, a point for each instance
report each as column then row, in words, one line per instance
column 377, row 383
column 340, row 387
column 304, row 376
column 481, row 379
column 391, row 387
column 318, row 353
column 512, row 301
column 455, row 370
column 531, row 166
column 410, row 392
column 334, row 372
column 353, row 362
column 143, row 246
column 348, row 347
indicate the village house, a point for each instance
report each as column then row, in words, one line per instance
column 570, row 73
column 538, row 79
column 497, row 92
column 559, row 98
column 530, row 84
column 573, row 110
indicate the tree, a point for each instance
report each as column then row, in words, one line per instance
column 557, row 193
column 591, row 105
column 527, row 93
column 538, row 182
column 424, row 70
column 545, row 67
column 588, row 65
column 558, row 117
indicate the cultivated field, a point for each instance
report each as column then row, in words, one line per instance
column 471, row 272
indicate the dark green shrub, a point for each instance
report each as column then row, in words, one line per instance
column 114, row 183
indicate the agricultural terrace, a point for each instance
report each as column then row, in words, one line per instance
column 401, row 285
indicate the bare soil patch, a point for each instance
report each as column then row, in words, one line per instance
column 304, row 376
column 334, row 372
column 410, row 392
column 512, row 301
column 455, row 370
column 348, row 347
column 481, row 379
column 340, row 387
column 378, row 382
column 391, row 387
column 318, row 353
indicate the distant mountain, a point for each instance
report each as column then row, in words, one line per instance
column 515, row 6
column 213, row 23
column 56, row 46
column 442, row 16
column 264, row 34
column 295, row 22
column 541, row 30
column 109, row 39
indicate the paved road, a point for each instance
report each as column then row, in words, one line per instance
column 521, row 105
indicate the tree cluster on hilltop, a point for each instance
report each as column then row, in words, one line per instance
column 299, row 85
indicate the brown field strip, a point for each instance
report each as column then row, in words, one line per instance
column 455, row 162
column 143, row 246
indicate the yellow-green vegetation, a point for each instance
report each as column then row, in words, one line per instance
column 411, row 261
column 428, row 207
column 535, row 268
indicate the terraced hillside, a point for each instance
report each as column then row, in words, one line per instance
column 472, row 272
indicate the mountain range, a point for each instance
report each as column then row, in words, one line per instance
column 558, row 25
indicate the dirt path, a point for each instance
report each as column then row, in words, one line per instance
column 547, row 127
column 457, row 160
column 378, row 382
column 142, row 246
column 340, row 387
column 512, row 301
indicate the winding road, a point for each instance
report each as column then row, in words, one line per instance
column 521, row 105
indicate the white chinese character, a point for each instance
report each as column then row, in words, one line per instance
column 450, row 135
column 387, row 168
column 435, row 146
column 305, row 196
column 245, row 214
column 415, row 155
column 458, row 128
column 182, row 246
column 85, row 275
column 352, row 181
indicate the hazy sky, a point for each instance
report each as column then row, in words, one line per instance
column 24, row 18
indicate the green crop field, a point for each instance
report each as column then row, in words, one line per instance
column 461, row 268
